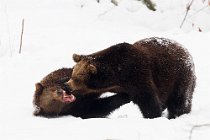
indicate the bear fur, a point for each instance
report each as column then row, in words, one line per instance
column 156, row 73
column 51, row 99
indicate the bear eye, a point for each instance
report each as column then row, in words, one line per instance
column 59, row 91
column 75, row 80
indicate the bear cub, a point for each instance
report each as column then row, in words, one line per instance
column 52, row 99
column 156, row 73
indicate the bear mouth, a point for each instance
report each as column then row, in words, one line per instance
column 68, row 98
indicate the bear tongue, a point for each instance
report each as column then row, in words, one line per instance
column 68, row 98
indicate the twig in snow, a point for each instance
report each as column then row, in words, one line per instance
column 195, row 127
column 105, row 12
column 114, row 2
column 187, row 10
column 21, row 38
column 150, row 5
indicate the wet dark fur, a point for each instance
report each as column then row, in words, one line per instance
column 156, row 73
column 85, row 107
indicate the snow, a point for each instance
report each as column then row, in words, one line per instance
column 54, row 30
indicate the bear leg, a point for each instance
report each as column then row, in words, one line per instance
column 180, row 101
column 178, row 107
column 148, row 103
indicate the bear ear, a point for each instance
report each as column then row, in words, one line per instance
column 39, row 88
column 92, row 69
column 77, row 58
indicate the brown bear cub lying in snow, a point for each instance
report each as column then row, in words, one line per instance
column 156, row 73
column 51, row 99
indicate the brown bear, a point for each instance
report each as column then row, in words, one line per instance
column 156, row 73
column 51, row 99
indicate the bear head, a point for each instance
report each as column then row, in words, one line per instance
column 91, row 74
column 50, row 100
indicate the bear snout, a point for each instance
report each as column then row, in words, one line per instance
column 71, row 85
column 68, row 86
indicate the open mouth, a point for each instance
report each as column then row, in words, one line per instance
column 68, row 98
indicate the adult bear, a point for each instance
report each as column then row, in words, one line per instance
column 157, row 73
column 51, row 99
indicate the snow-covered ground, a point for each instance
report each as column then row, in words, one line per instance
column 55, row 29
